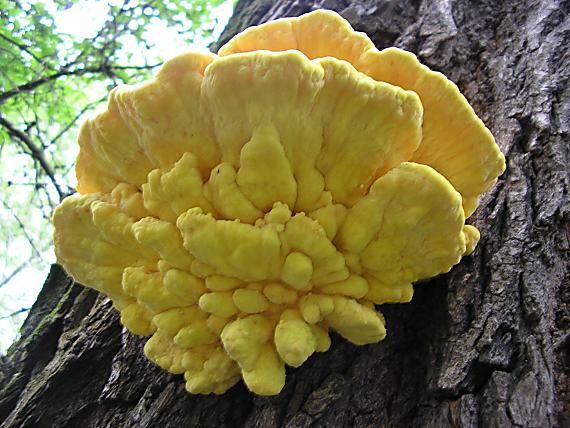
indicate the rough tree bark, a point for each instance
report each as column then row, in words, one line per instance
column 485, row 345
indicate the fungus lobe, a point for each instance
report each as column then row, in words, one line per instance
column 239, row 206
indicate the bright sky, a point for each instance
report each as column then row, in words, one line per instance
column 82, row 20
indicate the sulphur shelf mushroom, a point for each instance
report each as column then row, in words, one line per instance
column 239, row 206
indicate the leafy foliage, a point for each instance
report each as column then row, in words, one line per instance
column 49, row 81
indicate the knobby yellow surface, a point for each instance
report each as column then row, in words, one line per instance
column 239, row 206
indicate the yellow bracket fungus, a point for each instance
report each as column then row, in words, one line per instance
column 239, row 206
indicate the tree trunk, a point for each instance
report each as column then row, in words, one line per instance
column 485, row 345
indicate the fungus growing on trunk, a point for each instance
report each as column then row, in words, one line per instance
column 238, row 206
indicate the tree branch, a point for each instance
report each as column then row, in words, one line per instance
column 27, row 87
column 22, row 47
column 35, row 151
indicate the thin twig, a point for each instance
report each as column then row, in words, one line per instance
column 15, row 272
column 16, row 183
column 23, row 227
column 13, row 314
column 22, row 266
column 75, row 119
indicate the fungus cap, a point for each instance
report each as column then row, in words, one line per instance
column 238, row 206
